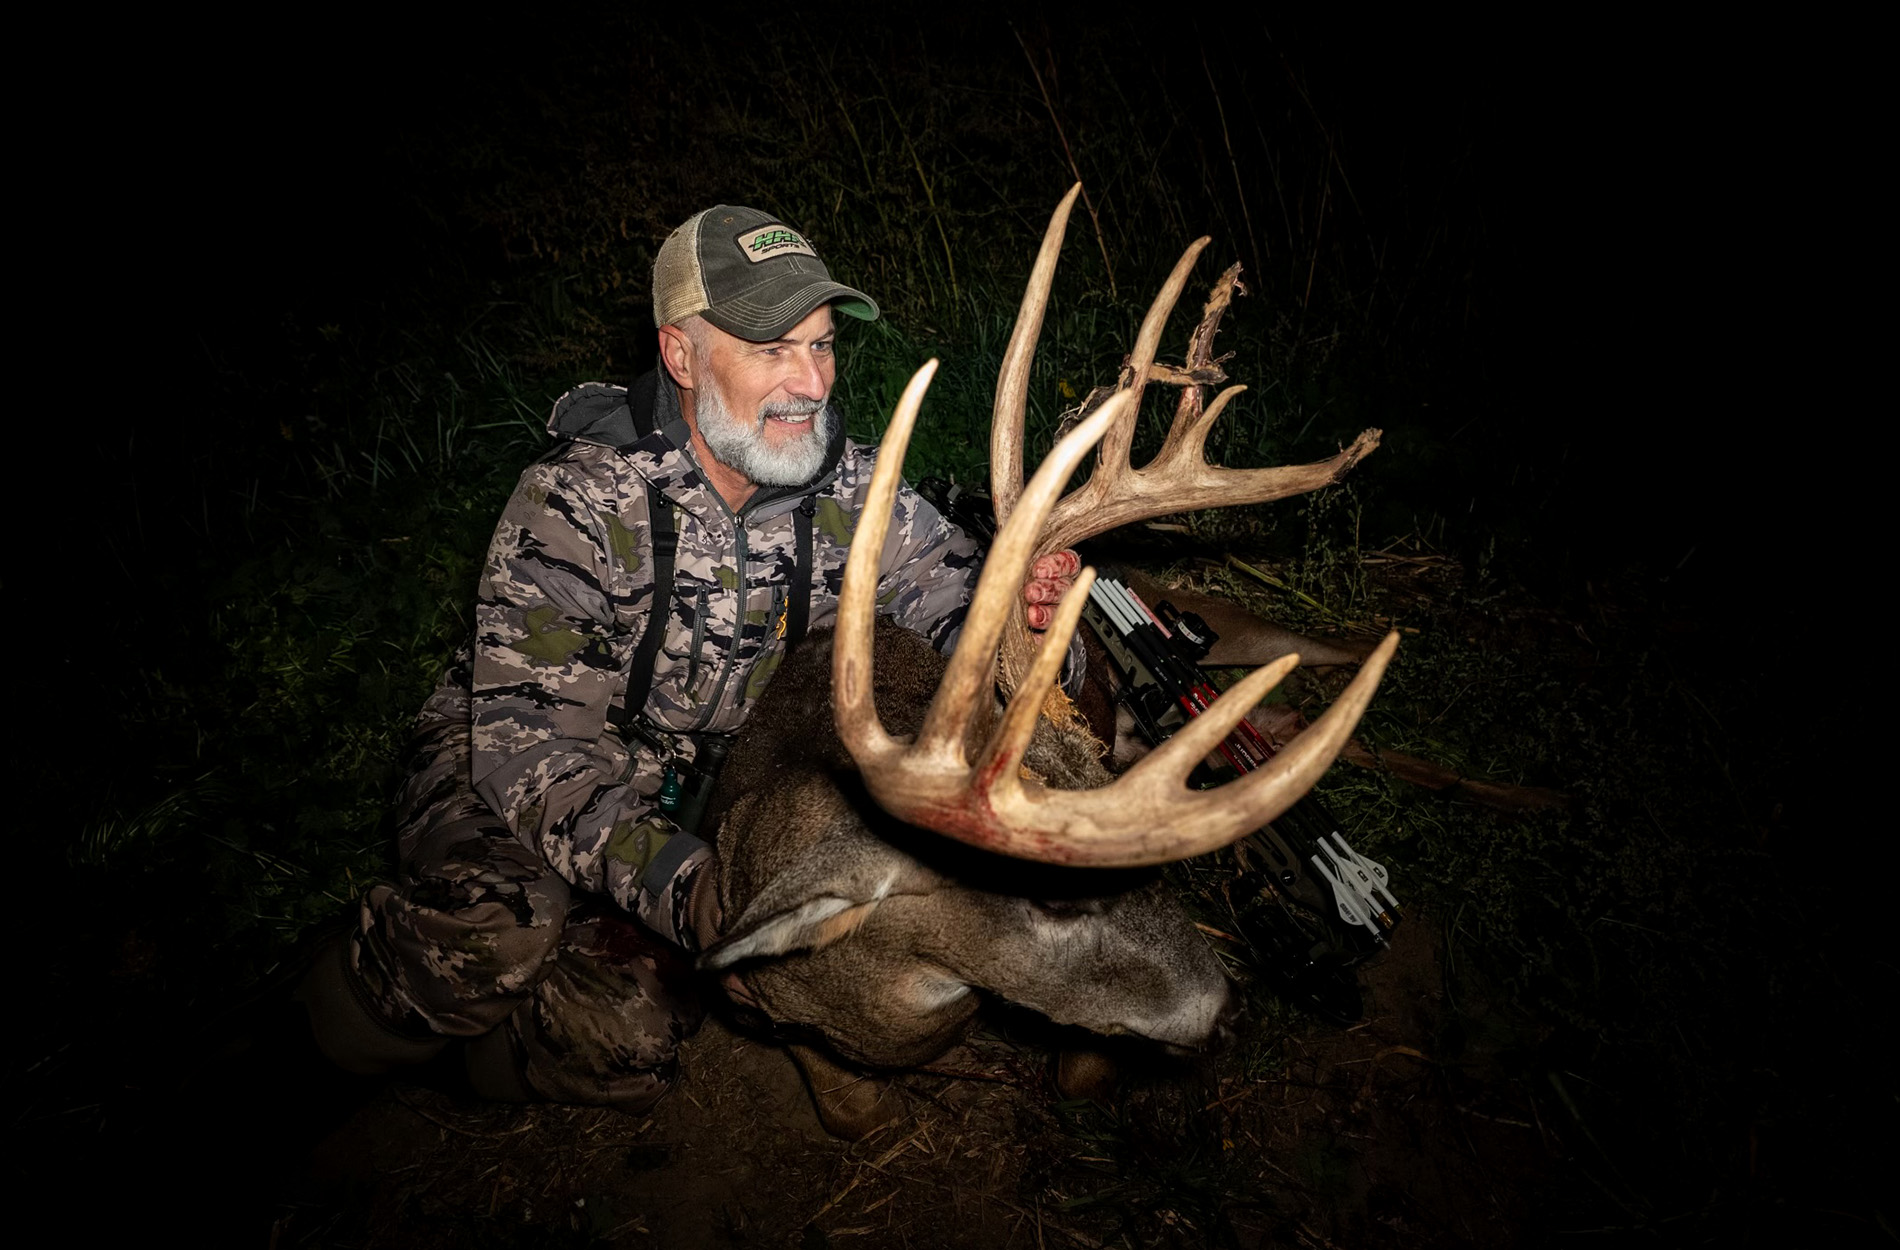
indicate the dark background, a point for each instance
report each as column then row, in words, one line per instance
column 1606, row 201
column 1582, row 274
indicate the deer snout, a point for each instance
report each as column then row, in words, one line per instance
column 1206, row 1026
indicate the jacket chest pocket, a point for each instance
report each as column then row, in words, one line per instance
column 689, row 652
column 696, row 656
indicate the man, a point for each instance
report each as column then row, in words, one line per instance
column 643, row 584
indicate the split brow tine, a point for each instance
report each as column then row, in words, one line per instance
column 972, row 665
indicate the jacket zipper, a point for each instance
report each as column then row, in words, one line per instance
column 699, row 639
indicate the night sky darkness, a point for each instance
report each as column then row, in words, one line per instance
column 1612, row 181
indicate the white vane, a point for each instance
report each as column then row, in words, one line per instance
column 1358, row 885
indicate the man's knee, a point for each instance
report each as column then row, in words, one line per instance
column 351, row 1028
column 604, row 1028
column 463, row 939
column 496, row 949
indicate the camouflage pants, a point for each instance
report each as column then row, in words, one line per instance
column 478, row 938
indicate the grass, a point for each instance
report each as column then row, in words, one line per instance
column 273, row 732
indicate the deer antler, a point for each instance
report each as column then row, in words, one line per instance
column 1178, row 479
column 1147, row 816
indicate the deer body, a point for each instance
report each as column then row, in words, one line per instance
column 890, row 932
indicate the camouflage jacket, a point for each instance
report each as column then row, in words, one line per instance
column 565, row 596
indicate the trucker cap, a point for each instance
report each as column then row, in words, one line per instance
column 748, row 273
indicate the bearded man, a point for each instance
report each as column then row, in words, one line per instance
column 645, row 581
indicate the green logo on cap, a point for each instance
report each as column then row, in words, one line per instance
column 772, row 241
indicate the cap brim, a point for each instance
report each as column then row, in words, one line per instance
column 771, row 309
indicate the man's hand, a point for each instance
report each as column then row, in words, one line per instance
column 1049, row 579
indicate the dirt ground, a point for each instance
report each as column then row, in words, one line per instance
column 1359, row 1137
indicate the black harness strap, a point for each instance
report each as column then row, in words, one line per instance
column 666, row 542
column 798, row 609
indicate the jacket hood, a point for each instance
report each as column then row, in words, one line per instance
column 646, row 417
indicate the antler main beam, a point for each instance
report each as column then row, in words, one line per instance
column 1149, row 815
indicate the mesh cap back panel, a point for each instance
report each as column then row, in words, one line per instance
column 679, row 288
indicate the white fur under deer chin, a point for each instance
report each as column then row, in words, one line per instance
column 793, row 459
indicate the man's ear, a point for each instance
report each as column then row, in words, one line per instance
column 676, row 350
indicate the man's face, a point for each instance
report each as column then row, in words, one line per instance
column 761, row 406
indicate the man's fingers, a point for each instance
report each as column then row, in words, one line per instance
column 1049, row 579
column 1046, row 590
column 1056, row 564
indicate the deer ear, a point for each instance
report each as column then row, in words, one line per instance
column 819, row 899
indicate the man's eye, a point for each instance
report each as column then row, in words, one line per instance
column 823, row 346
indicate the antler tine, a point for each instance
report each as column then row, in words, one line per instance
column 854, row 711
column 1112, row 461
column 1202, row 736
column 1187, row 439
column 1012, row 383
column 966, row 682
column 1194, row 822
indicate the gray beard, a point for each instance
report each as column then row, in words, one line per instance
column 740, row 445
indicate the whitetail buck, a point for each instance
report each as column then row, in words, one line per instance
column 889, row 859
